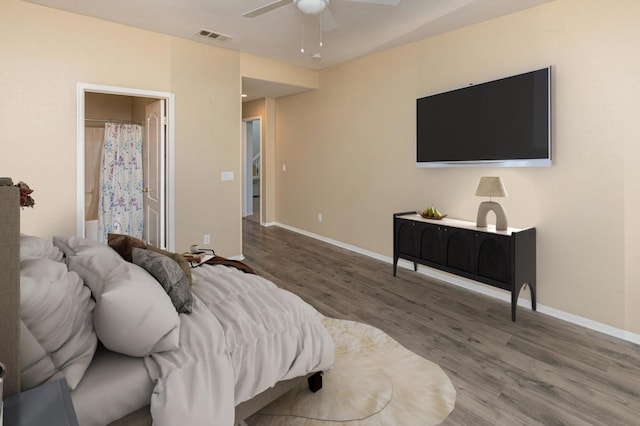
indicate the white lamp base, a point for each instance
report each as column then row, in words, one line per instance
column 484, row 209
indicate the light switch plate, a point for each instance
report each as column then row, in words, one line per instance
column 227, row 175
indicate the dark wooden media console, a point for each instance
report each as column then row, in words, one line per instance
column 503, row 259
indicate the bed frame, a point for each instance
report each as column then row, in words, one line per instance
column 142, row 417
column 10, row 284
column 10, row 315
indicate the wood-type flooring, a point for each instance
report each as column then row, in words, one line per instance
column 537, row 371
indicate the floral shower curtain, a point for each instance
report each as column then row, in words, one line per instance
column 120, row 208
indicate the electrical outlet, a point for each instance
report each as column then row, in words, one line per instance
column 319, row 217
column 206, row 239
column 284, row 167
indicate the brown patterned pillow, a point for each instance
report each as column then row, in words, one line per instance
column 124, row 244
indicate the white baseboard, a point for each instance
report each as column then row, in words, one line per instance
column 480, row 288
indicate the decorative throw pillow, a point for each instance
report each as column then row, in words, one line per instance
column 57, row 310
column 133, row 315
column 176, row 257
column 168, row 274
column 124, row 244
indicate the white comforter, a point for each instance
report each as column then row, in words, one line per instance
column 244, row 335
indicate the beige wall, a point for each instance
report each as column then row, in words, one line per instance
column 102, row 106
column 45, row 53
column 349, row 148
column 208, row 142
column 273, row 71
column 276, row 71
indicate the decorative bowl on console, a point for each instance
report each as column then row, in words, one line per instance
column 431, row 213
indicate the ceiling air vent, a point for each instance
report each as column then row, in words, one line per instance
column 213, row 35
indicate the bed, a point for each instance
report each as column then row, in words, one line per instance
column 138, row 340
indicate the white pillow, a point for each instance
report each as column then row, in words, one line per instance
column 36, row 365
column 44, row 268
column 31, row 246
column 133, row 314
column 74, row 246
column 56, row 308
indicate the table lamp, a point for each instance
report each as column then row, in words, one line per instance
column 491, row 186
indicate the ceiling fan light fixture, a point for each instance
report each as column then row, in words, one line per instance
column 311, row 7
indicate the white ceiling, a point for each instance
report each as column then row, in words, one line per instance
column 362, row 28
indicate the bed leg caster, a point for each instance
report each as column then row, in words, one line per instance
column 315, row 382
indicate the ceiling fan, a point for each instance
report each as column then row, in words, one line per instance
column 319, row 8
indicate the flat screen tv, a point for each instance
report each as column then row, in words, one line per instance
column 501, row 123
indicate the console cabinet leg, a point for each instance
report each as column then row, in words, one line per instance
column 533, row 296
column 514, row 298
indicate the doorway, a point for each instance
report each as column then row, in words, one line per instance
column 252, row 169
column 153, row 113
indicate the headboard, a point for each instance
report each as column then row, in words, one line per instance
column 10, row 285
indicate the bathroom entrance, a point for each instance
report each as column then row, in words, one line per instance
column 127, row 167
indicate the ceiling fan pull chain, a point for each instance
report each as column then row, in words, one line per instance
column 302, row 35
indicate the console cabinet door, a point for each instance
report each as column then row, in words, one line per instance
column 494, row 258
column 458, row 249
column 407, row 243
column 430, row 243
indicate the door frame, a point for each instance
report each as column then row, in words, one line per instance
column 247, row 176
column 169, row 177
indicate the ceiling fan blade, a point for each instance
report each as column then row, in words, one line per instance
column 383, row 2
column 327, row 20
column 266, row 8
